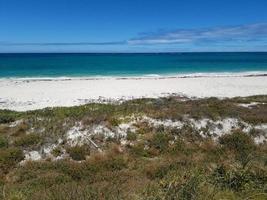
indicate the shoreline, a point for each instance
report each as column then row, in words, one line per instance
column 137, row 77
column 24, row 95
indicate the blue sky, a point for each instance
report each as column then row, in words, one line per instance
column 132, row 25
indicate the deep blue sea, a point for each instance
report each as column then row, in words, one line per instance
column 92, row 64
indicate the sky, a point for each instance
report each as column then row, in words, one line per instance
column 132, row 25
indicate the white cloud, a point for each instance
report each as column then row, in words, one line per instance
column 245, row 33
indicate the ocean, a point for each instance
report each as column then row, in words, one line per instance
column 127, row 65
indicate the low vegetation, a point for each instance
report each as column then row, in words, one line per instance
column 149, row 162
column 79, row 152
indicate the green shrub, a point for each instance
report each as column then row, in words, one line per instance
column 78, row 152
column 157, row 170
column 153, row 191
column 139, row 150
column 112, row 160
column 131, row 136
column 174, row 186
column 82, row 191
column 17, row 196
column 179, row 146
column 143, row 128
column 3, row 142
column 72, row 169
column 190, row 189
column 113, row 163
column 68, row 191
column 6, row 117
column 113, row 122
column 57, row 152
column 20, row 129
column 160, row 141
column 9, row 157
column 238, row 179
column 241, row 144
column 28, row 140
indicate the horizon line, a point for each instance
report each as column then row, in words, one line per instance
column 148, row 52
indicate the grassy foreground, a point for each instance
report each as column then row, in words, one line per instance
column 152, row 162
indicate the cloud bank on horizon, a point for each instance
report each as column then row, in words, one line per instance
column 238, row 37
column 241, row 33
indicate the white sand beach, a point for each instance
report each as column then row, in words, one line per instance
column 31, row 94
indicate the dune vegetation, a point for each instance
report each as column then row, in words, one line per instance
column 144, row 149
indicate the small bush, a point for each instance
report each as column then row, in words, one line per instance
column 28, row 140
column 143, row 128
column 68, row 191
column 20, row 129
column 113, row 122
column 3, row 142
column 190, row 189
column 6, row 118
column 240, row 143
column 175, row 186
column 57, row 152
column 139, row 150
column 9, row 157
column 238, row 179
column 78, row 152
column 113, row 163
column 16, row 196
column 178, row 147
column 131, row 136
column 157, row 170
column 160, row 141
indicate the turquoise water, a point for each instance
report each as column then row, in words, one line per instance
column 75, row 65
